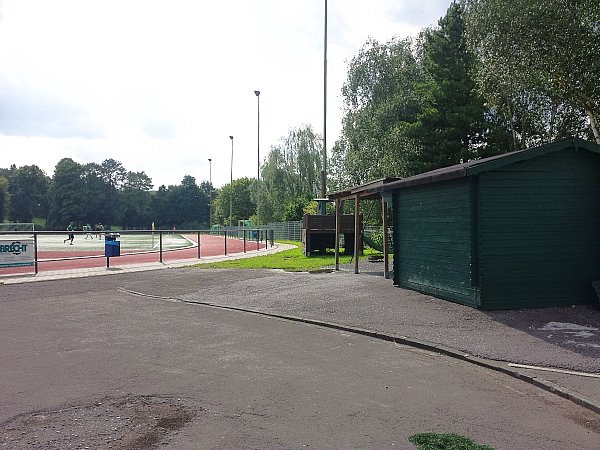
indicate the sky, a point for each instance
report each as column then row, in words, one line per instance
column 160, row 85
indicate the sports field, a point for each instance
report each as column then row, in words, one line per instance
column 55, row 252
column 94, row 243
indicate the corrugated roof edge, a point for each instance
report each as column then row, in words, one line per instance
column 486, row 164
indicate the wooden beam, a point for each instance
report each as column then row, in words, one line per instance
column 356, row 231
column 386, row 261
column 338, row 214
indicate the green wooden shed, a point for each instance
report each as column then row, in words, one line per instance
column 519, row 230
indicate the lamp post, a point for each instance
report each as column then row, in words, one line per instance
column 257, row 93
column 323, row 205
column 209, row 192
column 231, row 184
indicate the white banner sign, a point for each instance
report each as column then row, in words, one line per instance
column 15, row 253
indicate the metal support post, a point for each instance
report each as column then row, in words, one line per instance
column 35, row 251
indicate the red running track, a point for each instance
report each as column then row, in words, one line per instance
column 209, row 246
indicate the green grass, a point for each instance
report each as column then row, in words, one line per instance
column 445, row 441
column 290, row 260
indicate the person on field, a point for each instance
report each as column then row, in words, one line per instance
column 99, row 230
column 88, row 231
column 70, row 230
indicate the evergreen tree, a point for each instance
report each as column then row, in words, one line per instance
column 450, row 127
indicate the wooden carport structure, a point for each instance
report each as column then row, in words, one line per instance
column 373, row 190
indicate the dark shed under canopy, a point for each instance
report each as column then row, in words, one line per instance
column 518, row 230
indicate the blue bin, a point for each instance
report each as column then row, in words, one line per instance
column 112, row 248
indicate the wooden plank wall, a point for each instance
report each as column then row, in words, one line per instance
column 539, row 231
column 432, row 252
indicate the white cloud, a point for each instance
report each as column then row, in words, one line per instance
column 160, row 85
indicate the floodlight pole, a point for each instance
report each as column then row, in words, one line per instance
column 324, row 170
column 257, row 93
column 231, row 184
column 209, row 192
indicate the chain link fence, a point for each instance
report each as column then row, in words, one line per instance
column 287, row 231
column 292, row 231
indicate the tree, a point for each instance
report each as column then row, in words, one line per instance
column 242, row 205
column 4, row 198
column 162, row 210
column 184, row 205
column 539, row 67
column 381, row 100
column 450, row 127
column 136, row 200
column 96, row 194
column 113, row 173
column 294, row 210
column 209, row 193
column 29, row 189
column 188, row 204
column 291, row 171
column 66, row 200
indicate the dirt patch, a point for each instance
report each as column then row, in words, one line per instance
column 130, row 422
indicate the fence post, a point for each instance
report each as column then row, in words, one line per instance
column 160, row 244
column 35, row 252
column 225, row 232
column 244, row 240
column 198, row 244
column 257, row 238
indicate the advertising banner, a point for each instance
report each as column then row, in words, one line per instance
column 15, row 253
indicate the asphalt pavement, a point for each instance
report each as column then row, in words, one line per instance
column 141, row 360
column 555, row 349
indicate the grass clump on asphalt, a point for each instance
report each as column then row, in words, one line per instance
column 292, row 260
column 445, row 441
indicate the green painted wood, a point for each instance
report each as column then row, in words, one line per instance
column 498, row 162
column 433, row 240
column 539, row 231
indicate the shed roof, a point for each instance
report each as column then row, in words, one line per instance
column 369, row 190
column 486, row 164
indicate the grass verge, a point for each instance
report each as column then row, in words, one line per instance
column 445, row 441
column 290, row 260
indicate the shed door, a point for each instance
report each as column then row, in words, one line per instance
column 432, row 248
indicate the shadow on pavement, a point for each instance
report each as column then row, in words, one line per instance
column 575, row 328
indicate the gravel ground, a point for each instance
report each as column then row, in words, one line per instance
column 130, row 422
